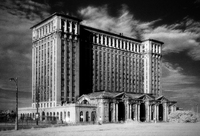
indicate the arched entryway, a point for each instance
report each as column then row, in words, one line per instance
column 87, row 116
column 121, row 111
column 43, row 115
column 81, row 116
column 160, row 112
column 142, row 112
column 61, row 116
column 93, row 116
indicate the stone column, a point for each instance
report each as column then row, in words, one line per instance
column 59, row 115
column 157, row 116
column 167, row 112
column 97, row 38
column 150, row 113
column 70, row 26
column 130, row 111
column 65, row 28
column 164, row 111
column 116, row 112
column 171, row 108
column 155, row 113
column 102, row 111
column 113, row 112
column 101, row 39
column 127, row 110
column 40, row 117
column 106, row 41
column 147, row 111
column 138, row 112
column 174, row 108
column 76, row 29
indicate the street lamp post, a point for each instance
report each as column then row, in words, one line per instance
column 16, row 118
column 37, row 104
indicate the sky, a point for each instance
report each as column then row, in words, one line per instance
column 176, row 23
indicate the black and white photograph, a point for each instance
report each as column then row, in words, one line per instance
column 99, row 68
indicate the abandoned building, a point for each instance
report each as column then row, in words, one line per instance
column 81, row 74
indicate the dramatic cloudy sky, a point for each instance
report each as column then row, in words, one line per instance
column 175, row 22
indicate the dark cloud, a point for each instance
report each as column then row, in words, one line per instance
column 125, row 22
column 27, row 8
column 16, row 18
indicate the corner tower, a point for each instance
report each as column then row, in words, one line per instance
column 152, row 66
column 55, row 61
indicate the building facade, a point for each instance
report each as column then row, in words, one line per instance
column 117, row 63
column 71, row 62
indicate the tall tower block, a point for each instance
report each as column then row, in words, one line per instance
column 152, row 66
column 55, row 61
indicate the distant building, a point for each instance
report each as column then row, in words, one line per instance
column 81, row 73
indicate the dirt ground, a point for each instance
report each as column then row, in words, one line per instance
column 126, row 129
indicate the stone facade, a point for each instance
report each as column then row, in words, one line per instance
column 115, row 107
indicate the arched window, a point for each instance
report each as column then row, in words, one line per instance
column 84, row 102
column 68, row 114
column 64, row 114
column 57, row 115
column 61, row 115
column 43, row 115
column 47, row 116
column 54, row 116
column 81, row 116
column 51, row 116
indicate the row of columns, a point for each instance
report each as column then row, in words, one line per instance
column 133, row 111
column 116, row 42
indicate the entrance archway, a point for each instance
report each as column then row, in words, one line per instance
column 43, row 115
column 160, row 112
column 142, row 112
column 93, row 116
column 121, row 111
column 87, row 116
column 81, row 116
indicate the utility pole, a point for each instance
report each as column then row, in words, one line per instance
column 16, row 118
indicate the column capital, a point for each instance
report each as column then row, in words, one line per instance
column 116, row 102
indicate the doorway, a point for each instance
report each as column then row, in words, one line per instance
column 160, row 112
column 121, row 111
column 142, row 112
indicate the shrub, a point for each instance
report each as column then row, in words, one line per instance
column 183, row 117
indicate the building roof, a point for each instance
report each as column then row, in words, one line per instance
column 111, row 33
column 108, row 94
column 153, row 40
column 56, row 14
column 94, row 29
column 102, row 94
column 125, row 95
